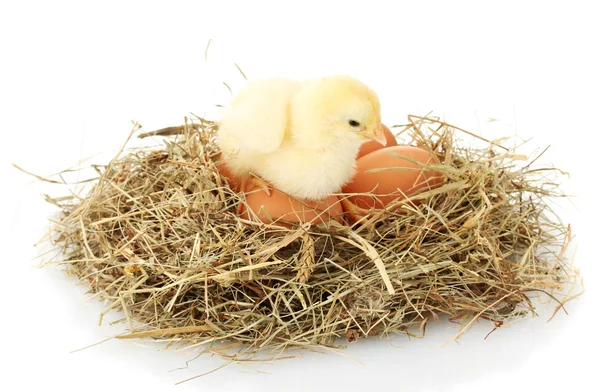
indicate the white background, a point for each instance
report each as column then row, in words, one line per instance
column 73, row 76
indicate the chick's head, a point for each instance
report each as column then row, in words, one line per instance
column 337, row 109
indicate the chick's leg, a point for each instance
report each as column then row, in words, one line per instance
column 356, row 214
column 250, row 183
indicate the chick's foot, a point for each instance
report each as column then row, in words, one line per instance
column 253, row 182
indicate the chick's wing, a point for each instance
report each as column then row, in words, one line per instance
column 258, row 116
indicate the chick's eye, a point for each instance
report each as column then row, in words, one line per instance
column 353, row 123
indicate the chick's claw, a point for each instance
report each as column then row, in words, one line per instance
column 356, row 213
column 249, row 184
column 253, row 182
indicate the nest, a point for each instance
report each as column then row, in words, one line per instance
column 158, row 237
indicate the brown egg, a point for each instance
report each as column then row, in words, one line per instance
column 371, row 146
column 235, row 181
column 405, row 179
column 285, row 209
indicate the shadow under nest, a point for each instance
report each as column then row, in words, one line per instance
column 158, row 237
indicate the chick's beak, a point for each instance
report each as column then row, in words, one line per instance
column 377, row 135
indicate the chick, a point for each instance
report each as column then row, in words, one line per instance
column 300, row 137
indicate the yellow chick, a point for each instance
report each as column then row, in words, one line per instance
column 300, row 137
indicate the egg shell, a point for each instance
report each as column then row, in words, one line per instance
column 235, row 182
column 285, row 209
column 405, row 179
column 371, row 146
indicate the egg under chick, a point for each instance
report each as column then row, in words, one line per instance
column 300, row 137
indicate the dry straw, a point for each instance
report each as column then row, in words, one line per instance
column 157, row 236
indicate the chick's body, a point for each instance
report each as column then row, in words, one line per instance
column 301, row 137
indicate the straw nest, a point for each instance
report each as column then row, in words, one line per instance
column 158, row 238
